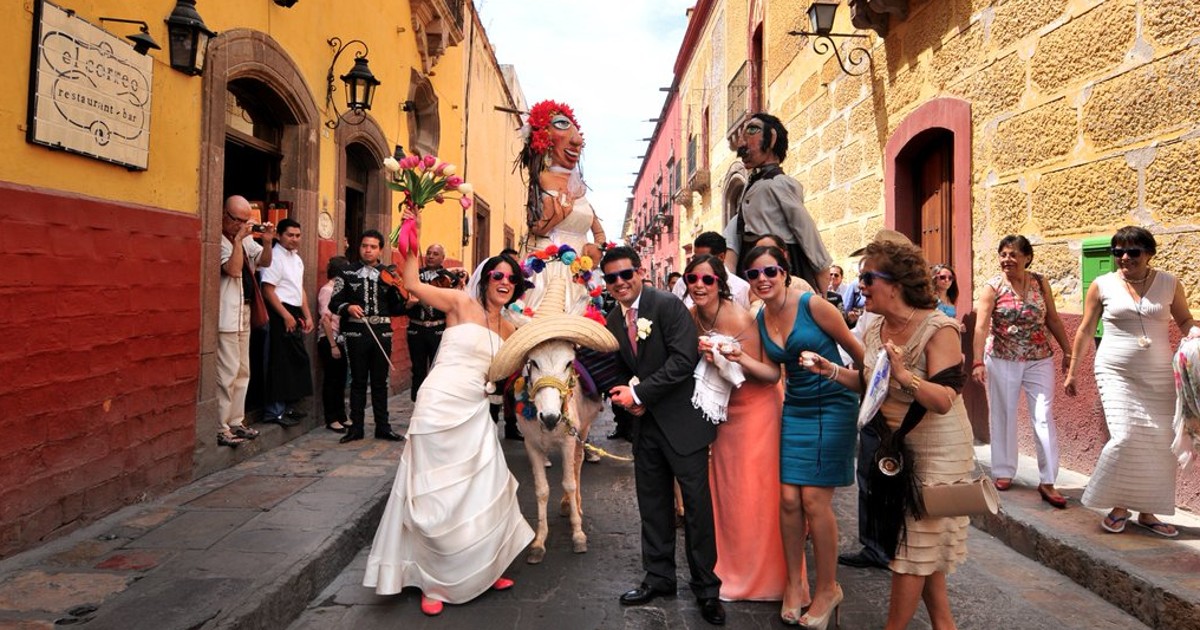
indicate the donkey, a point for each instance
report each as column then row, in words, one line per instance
column 543, row 349
column 563, row 418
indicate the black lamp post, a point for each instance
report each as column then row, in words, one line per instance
column 188, row 38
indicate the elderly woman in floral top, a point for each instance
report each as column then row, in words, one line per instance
column 1016, row 310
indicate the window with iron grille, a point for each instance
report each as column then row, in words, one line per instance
column 739, row 95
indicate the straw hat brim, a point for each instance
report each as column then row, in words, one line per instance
column 884, row 235
column 573, row 328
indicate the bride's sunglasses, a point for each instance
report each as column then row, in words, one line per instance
column 500, row 275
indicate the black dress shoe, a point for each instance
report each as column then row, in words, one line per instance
column 712, row 611
column 389, row 435
column 282, row 421
column 295, row 415
column 643, row 594
column 513, row 434
column 861, row 560
column 350, row 437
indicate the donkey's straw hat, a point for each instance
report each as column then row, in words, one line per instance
column 550, row 323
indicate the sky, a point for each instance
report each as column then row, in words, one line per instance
column 607, row 59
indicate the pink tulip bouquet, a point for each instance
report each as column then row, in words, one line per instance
column 422, row 179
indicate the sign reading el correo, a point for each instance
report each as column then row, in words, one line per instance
column 90, row 92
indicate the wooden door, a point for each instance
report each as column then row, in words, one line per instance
column 932, row 188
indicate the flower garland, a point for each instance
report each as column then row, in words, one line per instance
column 540, row 116
column 581, row 270
column 523, row 406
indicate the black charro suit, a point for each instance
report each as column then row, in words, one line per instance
column 672, row 443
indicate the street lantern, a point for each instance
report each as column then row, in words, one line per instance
column 360, row 85
column 188, row 37
column 821, row 15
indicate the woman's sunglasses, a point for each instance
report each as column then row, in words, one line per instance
column 500, row 275
column 945, row 276
column 867, row 278
column 624, row 274
column 770, row 272
column 707, row 278
column 1133, row 252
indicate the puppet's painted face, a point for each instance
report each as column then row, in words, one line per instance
column 748, row 143
column 566, row 142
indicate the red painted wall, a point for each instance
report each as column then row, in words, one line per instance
column 100, row 309
column 1082, row 432
column 660, row 253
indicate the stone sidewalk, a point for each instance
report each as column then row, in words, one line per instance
column 246, row 547
column 251, row 546
column 1152, row 578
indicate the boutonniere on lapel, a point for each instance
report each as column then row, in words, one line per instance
column 643, row 328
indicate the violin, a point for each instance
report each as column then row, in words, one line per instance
column 390, row 276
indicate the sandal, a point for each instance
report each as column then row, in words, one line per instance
column 245, row 433
column 1114, row 524
column 336, row 426
column 232, row 441
column 1003, row 483
column 1158, row 527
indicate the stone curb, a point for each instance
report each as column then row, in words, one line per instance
column 278, row 603
column 1155, row 600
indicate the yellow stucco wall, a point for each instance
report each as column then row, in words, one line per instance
column 171, row 181
column 1085, row 117
column 492, row 142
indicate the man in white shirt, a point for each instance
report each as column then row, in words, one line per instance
column 714, row 244
column 289, row 375
column 238, row 290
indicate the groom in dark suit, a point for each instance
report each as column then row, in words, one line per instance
column 659, row 347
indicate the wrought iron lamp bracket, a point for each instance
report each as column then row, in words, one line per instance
column 331, row 87
column 857, row 56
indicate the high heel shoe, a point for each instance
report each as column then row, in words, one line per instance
column 790, row 616
column 431, row 607
column 813, row 622
column 503, row 584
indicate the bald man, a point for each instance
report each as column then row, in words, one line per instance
column 240, row 258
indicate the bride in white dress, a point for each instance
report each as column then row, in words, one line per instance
column 452, row 524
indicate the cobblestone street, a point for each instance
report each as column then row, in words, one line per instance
column 996, row 588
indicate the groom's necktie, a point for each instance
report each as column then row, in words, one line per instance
column 631, row 328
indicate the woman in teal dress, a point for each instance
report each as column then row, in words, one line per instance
column 819, row 432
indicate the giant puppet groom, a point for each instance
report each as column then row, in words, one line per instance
column 658, row 349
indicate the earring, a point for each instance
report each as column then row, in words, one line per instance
column 546, row 159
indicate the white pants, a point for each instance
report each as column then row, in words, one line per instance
column 1005, row 380
column 233, row 374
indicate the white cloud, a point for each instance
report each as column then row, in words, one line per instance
column 607, row 59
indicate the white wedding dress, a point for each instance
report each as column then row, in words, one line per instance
column 452, row 524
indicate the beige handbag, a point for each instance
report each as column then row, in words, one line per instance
column 965, row 498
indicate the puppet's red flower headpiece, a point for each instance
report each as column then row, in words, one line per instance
column 539, row 123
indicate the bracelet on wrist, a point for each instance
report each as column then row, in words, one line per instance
column 833, row 372
column 976, row 364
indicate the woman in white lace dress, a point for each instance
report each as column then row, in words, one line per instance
column 1136, row 470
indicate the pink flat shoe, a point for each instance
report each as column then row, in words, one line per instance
column 431, row 607
column 503, row 584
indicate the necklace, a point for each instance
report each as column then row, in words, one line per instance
column 489, row 386
column 1139, row 281
column 1024, row 295
column 907, row 321
column 775, row 318
column 709, row 329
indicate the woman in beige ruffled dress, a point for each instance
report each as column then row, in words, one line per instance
column 920, row 342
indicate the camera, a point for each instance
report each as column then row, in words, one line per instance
column 258, row 228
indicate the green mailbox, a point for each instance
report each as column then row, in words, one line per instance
column 1097, row 261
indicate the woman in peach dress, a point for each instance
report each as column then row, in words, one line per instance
column 744, row 466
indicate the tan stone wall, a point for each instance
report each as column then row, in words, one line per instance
column 1085, row 117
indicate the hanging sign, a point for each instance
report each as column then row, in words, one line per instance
column 89, row 91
